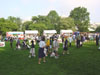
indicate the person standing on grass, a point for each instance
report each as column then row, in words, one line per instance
column 50, row 43
column 97, row 40
column 41, row 54
column 55, row 47
column 82, row 40
column 32, row 51
column 78, row 40
column 18, row 44
column 11, row 42
column 62, row 38
column 70, row 40
column 48, row 46
column 65, row 47
column 73, row 37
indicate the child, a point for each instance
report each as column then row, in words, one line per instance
column 32, row 51
column 65, row 46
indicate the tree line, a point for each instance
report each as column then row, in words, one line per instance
column 77, row 20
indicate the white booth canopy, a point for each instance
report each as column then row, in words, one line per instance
column 49, row 31
column 15, row 32
column 31, row 31
column 66, row 31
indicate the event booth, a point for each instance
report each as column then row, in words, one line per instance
column 31, row 34
column 15, row 34
column 66, row 32
column 49, row 33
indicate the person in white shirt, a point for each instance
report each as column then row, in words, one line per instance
column 70, row 40
column 41, row 54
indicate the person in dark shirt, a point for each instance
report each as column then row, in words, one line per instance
column 97, row 40
column 32, row 51
column 65, row 47
column 11, row 42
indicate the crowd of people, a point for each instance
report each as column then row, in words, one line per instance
column 50, row 45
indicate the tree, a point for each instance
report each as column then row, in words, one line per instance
column 98, row 29
column 38, row 26
column 67, row 23
column 6, row 26
column 35, row 19
column 26, row 25
column 44, row 20
column 16, row 20
column 54, row 19
column 81, row 18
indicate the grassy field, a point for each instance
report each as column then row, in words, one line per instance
column 82, row 61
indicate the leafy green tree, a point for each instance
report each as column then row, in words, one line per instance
column 16, row 20
column 54, row 19
column 81, row 18
column 67, row 23
column 43, row 20
column 25, row 25
column 38, row 26
column 6, row 26
column 2, row 20
column 35, row 19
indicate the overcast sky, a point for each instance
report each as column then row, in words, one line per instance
column 25, row 9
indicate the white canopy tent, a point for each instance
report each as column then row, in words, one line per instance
column 66, row 32
column 30, row 33
column 49, row 33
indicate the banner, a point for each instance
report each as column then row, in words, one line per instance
column 2, row 44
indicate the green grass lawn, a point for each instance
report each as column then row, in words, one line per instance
column 82, row 61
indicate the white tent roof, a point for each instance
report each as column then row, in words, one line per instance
column 66, row 31
column 49, row 31
column 15, row 32
column 31, row 31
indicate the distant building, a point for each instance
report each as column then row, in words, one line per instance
column 93, row 26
